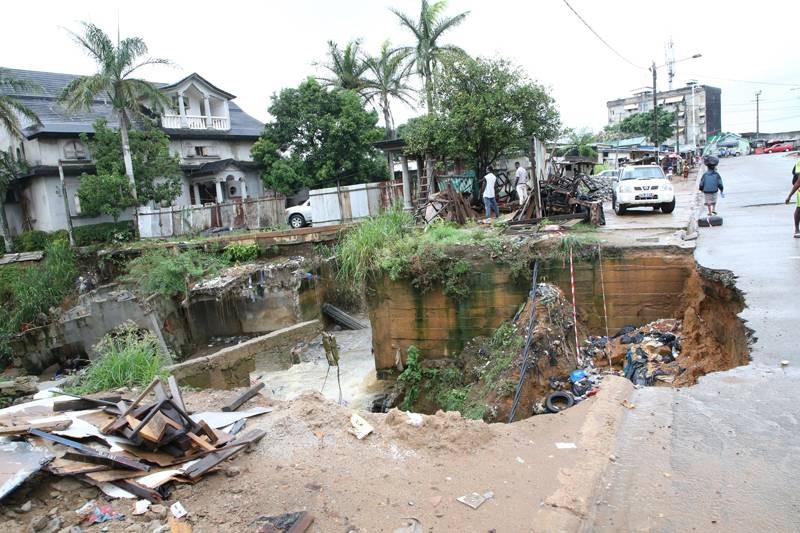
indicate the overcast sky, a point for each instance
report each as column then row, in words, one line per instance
column 253, row 49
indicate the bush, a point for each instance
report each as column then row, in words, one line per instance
column 103, row 233
column 237, row 252
column 26, row 292
column 30, row 241
column 169, row 274
column 128, row 357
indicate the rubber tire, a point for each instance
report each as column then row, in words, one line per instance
column 559, row 395
column 297, row 220
column 705, row 222
column 668, row 208
column 618, row 209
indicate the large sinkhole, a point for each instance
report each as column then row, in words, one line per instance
column 659, row 316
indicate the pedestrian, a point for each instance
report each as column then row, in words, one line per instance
column 710, row 184
column 489, row 200
column 795, row 187
column 521, row 176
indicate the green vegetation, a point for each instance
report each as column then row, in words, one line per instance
column 641, row 124
column 105, row 194
column 128, row 357
column 169, row 273
column 104, row 233
column 412, row 377
column 27, row 292
column 237, row 252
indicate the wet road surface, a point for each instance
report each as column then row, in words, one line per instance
column 724, row 455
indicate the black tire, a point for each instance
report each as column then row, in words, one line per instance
column 618, row 209
column 705, row 222
column 297, row 220
column 555, row 399
column 668, row 208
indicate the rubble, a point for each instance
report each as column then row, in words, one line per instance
column 449, row 205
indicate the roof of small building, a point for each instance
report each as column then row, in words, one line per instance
column 56, row 120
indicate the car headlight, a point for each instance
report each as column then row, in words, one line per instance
column 667, row 187
column 626, row 188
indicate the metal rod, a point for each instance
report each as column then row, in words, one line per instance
column 528, row 340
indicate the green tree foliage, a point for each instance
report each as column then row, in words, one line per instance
column 11, row 108
column 389, row 72
column 105, row 194
column 580, row 144
column 10, row 169
column 346, row 67
column 486, row 108
column 428, row 51
column 317, row 137
column 641, row 125
column 158, row 173
column 114, row 81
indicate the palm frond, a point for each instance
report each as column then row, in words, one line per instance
column 146, row 62
column 443, row 25
column 18, row 85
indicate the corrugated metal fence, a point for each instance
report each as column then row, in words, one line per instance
column 337, row 205
column 252, row 213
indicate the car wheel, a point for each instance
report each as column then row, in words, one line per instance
column 297, row 220
column 618, row 209
column 668, row 208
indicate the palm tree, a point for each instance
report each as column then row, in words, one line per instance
column 389, row 71
column 11, row 108
column 347, row 67
column 428, row 52
column 127, row 95
column 580, row 144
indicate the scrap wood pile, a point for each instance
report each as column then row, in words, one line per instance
column 565, row 195
column 125, row 448
column 449, row 205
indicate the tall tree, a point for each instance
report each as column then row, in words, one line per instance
column 389, row 74
column 486, row 109
column 114, row 81
column 318, row 136
column 346, row 67
column 641, row 124
column 428, row 52
column 11, row 108
column 10, row 169
column 580, row 144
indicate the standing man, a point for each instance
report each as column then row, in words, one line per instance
column 521, row 176
column 795, row 187
column 710, row 185
column 489, row 200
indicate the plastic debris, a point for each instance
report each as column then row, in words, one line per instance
column 103, row 514
column 361, row 427
column 475, row 500
column 140, row 507
column 178, row 510
column 565, row 445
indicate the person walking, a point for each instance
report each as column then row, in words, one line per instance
column 710, row 184
column 521, row 176
column 489, row 200
column 795, row 187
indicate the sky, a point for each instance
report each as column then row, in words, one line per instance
column 253, row 49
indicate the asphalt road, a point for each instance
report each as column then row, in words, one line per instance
column 724, row 455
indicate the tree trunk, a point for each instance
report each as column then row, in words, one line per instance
column 4, row 224
column 387, row 117
column 429, row 88
column 126, row 151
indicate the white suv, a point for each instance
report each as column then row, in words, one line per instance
column 642, row 185
column 299, row 215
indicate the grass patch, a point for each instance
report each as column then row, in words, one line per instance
column 169, row 273
column 27, row 292
column 237, row 252
column 128, row 357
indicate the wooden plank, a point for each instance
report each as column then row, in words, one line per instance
column 139, row 490
column 66, row 467
column 82, row 403
column 146, row 419
column 25, row 428
column 213, row 459
column 153, row 430
column 302, row 523
column 116, row 459
column 121, row 420
column 246, row 395
column 200, row 442
column 176, row 393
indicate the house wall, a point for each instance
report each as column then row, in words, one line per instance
column 238, row 150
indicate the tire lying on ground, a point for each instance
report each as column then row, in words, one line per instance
column 705, row 222
column 558, row 401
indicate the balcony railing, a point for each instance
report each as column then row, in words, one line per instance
column 194, row 122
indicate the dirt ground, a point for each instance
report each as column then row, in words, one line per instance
column 309, row 461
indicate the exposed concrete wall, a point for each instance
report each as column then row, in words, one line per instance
column 230, row 367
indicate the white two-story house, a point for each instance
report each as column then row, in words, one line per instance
column 207, row 130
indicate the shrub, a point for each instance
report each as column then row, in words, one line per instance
column 237, row 252
column 169, row 274
column 30, row 241
column 128, row 357
column 104, row 233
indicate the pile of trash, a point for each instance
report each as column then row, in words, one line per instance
column 597, row 188
column 569, row 390
column 448, row 205
column 127, row 448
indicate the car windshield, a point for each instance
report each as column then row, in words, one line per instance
column 642, row 173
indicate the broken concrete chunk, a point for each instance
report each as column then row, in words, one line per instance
column 361, row 428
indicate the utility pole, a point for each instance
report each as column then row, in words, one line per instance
column 655, row 115
column 678, row 129
column 758, row 130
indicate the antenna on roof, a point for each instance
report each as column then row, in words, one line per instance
column 118, row 32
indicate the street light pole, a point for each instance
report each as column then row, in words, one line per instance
column 758, row 131
column 655, row 115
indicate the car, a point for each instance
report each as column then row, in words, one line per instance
column 607, row 174
column 780, row 147
column 642, row 186
column 299, row 215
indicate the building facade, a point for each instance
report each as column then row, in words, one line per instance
column 698, row 109
column 211, row 135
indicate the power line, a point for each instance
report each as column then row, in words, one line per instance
column 601, row 39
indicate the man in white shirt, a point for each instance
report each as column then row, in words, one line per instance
column 521, row 176
column 489, row 200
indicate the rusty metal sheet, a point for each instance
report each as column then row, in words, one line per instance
column 19, row 461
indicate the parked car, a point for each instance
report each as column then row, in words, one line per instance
column 642, row 186
column 780, row 147
column 607, row 174
column 299, row 215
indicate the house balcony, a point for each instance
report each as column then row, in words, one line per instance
column 194, row 122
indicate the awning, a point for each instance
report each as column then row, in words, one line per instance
column 631, row 107
column 674, row 99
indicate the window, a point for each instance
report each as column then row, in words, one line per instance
column 77, row 201
column 74, row 150
column 202, row 151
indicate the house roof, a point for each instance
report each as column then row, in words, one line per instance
column 625, row 143
column 212, row 167
column 55, row 120
column 194, row 76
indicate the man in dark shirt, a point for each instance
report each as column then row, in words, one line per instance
column 710, row 184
